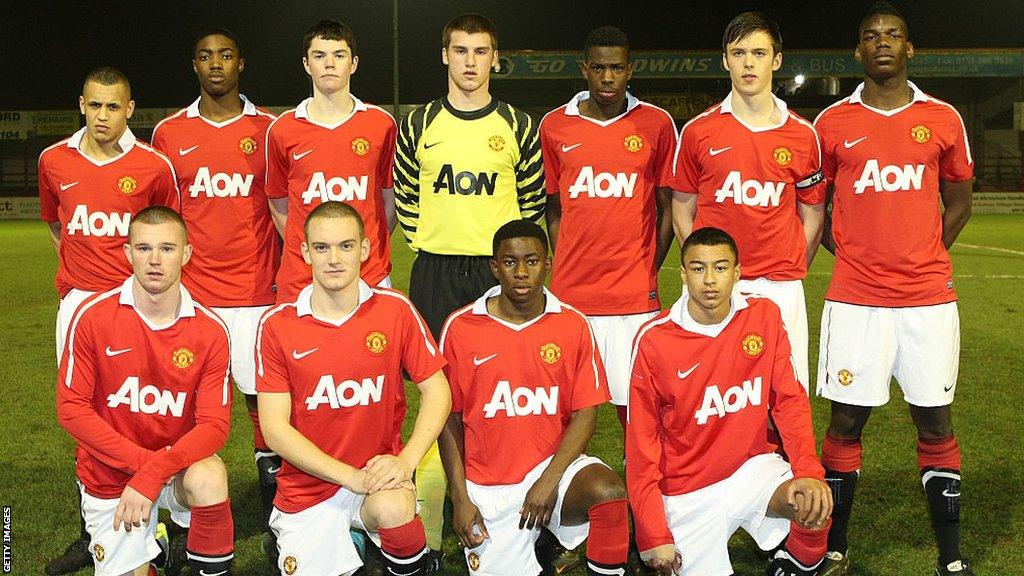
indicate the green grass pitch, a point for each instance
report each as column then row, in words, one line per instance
column 890, row 533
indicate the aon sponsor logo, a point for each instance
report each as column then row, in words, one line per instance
column 735, row 399
column 890, row 178
column 98, row 223
column 522, row 401
column 220, row 185
column 466, row 183
column 603, row 185
column 148, row 399
column 347, row 393
column 337, row 188
column 749, row 192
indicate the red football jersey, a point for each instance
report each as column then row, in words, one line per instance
column 221, row 174
column 748, row 182
column 886, row 221
column 605, row 174
column 128, row 390
column 344, row 378
column 699, row 402
column 518, row 385
column 94, row 201
column 311, row 163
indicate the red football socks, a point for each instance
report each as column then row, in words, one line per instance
column 841, row 454
column 608, row 541
column 211, row 539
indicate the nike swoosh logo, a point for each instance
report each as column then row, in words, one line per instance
column 205, row 573
column 301, row 155
column 273, row 470
column 950, row 387
column 851, row 144
column 431, row 145
column 116, row 352
column 300, row 355
column 479, row 361
column 682, row 374
column 64, row 187
column 572, row 147
column 715, row 152
column 184, row 151
column 948, row 495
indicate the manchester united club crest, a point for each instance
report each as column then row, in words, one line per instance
column 753, row 345
column 291, row 564
column 98, row 552
column 633, row 143
column 920, row 133
column 248, row 145
column 474, row 561
column 550, row 353
column 127, row 185
column 496, row 143
column 183, row 358
column 845, row 377
column 361, row 146
column 376, row 342
column 783, row 156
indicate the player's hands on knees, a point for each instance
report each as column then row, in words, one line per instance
column 811, row 502
column 385, row 472
column 664, row 559
column 133, row 509
column 539, row 503
column 468, row 524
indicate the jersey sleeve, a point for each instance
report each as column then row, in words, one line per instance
column 213, row 421
column 271, row 370
column 420, row 357
column 826, row 139
column 956, row 163
column 643, row 452
column 590, row 384
column 810, row 183
column 277, row 163
column 685, row 166
column 386, row 162
column 452, row 370
column 48, row 200
column 552, row 163
column 407, row 173
column 663, row 155
column 159, row 140
column 529, row 169
column 165, row 187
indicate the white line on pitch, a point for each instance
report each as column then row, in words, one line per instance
column 1008, row 251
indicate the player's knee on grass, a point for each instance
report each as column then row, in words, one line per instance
column 847, row 421
column 595, row 484
column 932, row 423
column 779, row 506
column 388, row 509
column 205, row 483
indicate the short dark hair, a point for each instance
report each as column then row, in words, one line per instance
column 606, row 36
column 157, row 214
column 882, row 9
column 329, row 30
column 709, row 237
column 108, row 76
column 334, row 209
column 218, row 31
column 749, row 22
column 519, row 229
column 470, row 23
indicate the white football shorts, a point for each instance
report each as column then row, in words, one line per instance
column 614, row 336
column 702, row 521
column 243, row 323
column 788, row 295
column 863, row 347
column 509, row 550
column 65, row 314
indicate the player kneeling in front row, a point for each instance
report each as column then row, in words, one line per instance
column 706, row 375
column 332, row 402
column 526, row 385
column 143, row 389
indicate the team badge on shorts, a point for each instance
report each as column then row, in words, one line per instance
column 845, row 377
column 248, row 145
column 920, row 133
column 782, row 156
column 496, row 143
column 474, row 561
column 753, row 344
column 127, row 185
column 290, row 565
column 183, row 358
column 98, row 552
column 376, row 342
column 361, row 146
column 550, row 353
column 634, row 143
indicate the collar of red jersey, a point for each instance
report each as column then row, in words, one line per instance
column 187, row 308
column 302, row 110
column 573, row 107
column 248, row 108
column 125, row 142
column 918, row 94
column 552, row 305
column 726, row 108
column 304, row 303
column 680, row 314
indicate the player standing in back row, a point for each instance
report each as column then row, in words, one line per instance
column 607, row 163
column 753, row 168
column 889, row 151
column 216, row 147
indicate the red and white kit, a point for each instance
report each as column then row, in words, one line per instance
column 699, row 405
column 221, row 174
column 310, row 163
